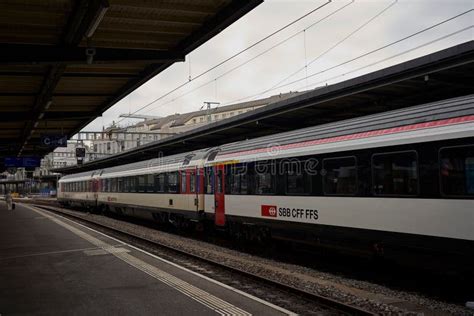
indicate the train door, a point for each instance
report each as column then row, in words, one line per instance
column 95, row 190
column 200, row 189
column 219, row 195
column 194, row 187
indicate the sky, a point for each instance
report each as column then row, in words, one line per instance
column 316, row 46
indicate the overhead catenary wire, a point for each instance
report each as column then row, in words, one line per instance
column 255, row 57
column 393, row 56
column 356, row 58
column 336, row 44
column 233, row 56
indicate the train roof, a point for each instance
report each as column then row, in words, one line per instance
column 435, row 111
column 440, row 110
column 189, row 157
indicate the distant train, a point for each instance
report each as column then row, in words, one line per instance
column 400, row 182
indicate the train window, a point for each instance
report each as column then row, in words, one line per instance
column 125, row 184
column 183, row 181
column 265, row 179
column 220, row 181
column 160, row 182
column 457, row 170
column 192, row 182
column 238, row 181
column 119, row 184
column 113, row 185
column 395, row 173
column 141, row 183
column 297, row 180
column 339, row 176
column 150, row 183
column 172, row 182
column 208, row 180
column 132, row 185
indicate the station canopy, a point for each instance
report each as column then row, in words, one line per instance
column 64, row 62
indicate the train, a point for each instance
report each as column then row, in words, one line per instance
column 393, row 184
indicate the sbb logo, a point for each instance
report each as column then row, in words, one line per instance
column 269, row 210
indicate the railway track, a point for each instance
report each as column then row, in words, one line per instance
column 226, row 274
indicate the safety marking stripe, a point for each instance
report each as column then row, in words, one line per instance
column 50, row 252
column 216, row 304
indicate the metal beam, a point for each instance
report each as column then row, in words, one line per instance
column 49, row 116
column 80, row 20
column 21, row 54
column 227, row 16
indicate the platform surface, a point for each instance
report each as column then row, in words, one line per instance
column 51, row 265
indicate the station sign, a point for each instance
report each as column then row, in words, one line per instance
column 54, row 140
column 22, row 162
column 80, row 152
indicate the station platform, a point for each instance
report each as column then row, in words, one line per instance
column 51, row 265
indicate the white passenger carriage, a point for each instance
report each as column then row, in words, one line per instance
column 390, row 182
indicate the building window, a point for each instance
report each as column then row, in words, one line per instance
column 340, row 176
column 224, row 115
column 231, row 114
column 456, row 166
column 194, row 121
column 216, row 117
column 201, row 119
column 395, row 173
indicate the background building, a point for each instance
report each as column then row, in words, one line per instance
column 115, row 139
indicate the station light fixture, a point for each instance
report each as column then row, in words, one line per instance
column 48, row 104
column 104, row 6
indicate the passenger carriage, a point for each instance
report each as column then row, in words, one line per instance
column 388, row 183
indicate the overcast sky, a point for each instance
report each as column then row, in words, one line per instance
column 257, row 78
